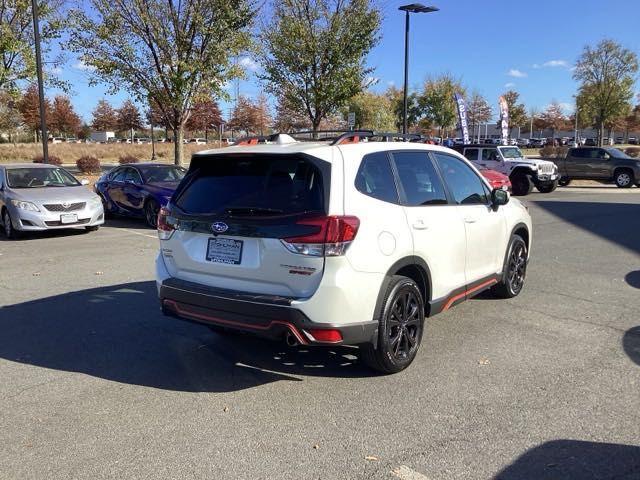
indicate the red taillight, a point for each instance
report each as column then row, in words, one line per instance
column 166, row 225
column 331, row 236
column 324, row 335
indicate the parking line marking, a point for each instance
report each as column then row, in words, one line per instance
column 405, row 473
column 138, row 233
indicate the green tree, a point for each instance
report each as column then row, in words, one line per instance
column 10, row 118
column 315, row 53
column 437, row 102
column 373, row 111
column 165, row 51
column 129, row 118
column 607, row 75
column 17, row 54
column 517, row 111
column 414, row 112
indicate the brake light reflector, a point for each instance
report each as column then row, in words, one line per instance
column 326, row 335
column 166, row 224
column 332, row 236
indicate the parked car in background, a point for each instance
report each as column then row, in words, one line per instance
column 142, row 140
column 347, row 243
column 35, row 197
column 227, row 141
column 495, row 178
column 590, row 142
column 57, row 140
column 619, row 140
column 138, row 190
column 522, row 142
column 72, row 140
column 604, row 164
column 524, row 173
column 632, row 141
column 198, row 141
column 537, row 142
column 125, row 140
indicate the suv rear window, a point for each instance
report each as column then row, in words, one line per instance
column 253, row 185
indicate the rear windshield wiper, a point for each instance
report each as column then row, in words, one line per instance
column 253, row 211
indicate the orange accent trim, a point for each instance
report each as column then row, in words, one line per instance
column 290, row 326
column 354, row 139
column 457, row 297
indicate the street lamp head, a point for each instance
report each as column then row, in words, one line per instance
column 418, row 8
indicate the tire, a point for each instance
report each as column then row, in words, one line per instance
column 548, row 187
column 402, row 318
column 514, row 271
column 93, row 228
column 9, row 231
column 521, row 184
column 105, row 207
column 151, row 209
column 623, row 178
column 564, row 181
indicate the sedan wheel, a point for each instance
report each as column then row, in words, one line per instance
column 151, row 210
column 9, row 232
column 624, row 179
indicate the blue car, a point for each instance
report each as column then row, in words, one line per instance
column 139, row 189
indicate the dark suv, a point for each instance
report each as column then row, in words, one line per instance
column 604, row 164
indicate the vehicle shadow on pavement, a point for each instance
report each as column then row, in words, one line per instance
column 616, row 222
column 633, row 278
column 118, row 333
column 574, row 459
column 631, row 344
column 47, row 234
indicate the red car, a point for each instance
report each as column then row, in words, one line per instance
column 496, row 179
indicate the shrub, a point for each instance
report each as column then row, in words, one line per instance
column 633, row 152
column 88, row 164
column 128, row 159
column 53, row 160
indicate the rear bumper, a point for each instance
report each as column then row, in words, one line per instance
column 270, row 317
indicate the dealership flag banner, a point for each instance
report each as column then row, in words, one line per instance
column 462, row 116
column 504, row 120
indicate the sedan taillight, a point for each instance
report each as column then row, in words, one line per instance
column 331, row 238
column 166, row 224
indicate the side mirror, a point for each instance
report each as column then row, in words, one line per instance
column 499, row 197
column 606, row 156
column 84, row 181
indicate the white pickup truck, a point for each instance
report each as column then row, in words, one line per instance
column 524, row 173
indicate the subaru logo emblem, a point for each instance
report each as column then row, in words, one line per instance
column 219, row 227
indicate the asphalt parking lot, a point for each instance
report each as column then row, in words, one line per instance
column 95, row 383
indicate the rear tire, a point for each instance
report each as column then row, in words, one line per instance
column 151, row 210
column 401, row 324
column 521, row 184
column 514, row 271
column 623, row 178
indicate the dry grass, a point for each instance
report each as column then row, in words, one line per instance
column 106, row 153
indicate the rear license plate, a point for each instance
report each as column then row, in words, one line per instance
column 68, row 218
column 224, row 250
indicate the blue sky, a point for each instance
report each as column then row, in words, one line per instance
column 491, row 46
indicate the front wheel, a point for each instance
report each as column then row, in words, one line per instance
column 151, row 210
column 624, row 178
column 547, row 187
column 9, row 232
column 401, row 324
column 515, row 269
column 521, row 184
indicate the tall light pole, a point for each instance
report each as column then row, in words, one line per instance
column 43, row 120
column 411, row 8
column 576, row 140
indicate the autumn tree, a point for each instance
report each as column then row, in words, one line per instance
column 437, row 102
column 315, row 53
column 105, row 117
column 373, row 111
column 29, row 107
column 155, row 117
column 17, row 54
column 606, row 75
column 478, row 112
column 517, row 111
column 244, row 116
column 553, row 118
column 165, row 51
column 262, row 114
column 63, row 119
column 129, row 118
column 205, row 115
column 288, row 118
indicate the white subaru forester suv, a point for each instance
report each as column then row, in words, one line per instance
column 352, row 241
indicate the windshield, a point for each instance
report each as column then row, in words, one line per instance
column 40, row 178
column 614, row 152
column 160, row 174
column 511, row 152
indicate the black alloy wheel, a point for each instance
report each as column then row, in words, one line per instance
column 151, row 210
column 515, row 269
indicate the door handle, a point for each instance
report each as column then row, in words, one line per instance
column 470, row 220
column 420, row 225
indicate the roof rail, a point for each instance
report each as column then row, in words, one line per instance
column 256, row 139
column 353, row 136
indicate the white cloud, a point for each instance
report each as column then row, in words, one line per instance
column 555, row 63
column 249, row 63
column 514, row 72
column 535, row 65
column 509, row 85
column 567, row 107
column 391, row 83
column 80, row 65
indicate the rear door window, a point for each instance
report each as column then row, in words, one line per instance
column 419, row 179
column 471, row 154
column 253, row 185
column 375, row 178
